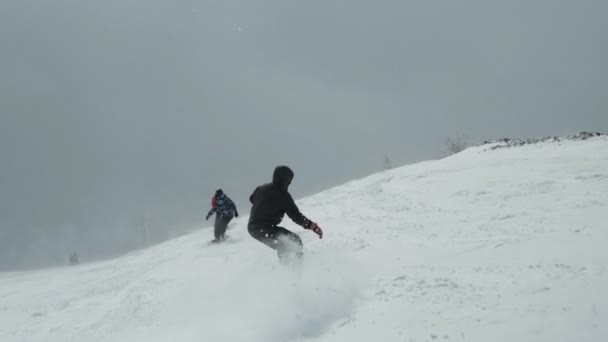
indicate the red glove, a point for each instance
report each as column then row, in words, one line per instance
column 315, row 228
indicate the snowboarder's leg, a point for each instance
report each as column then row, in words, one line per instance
column 217, row 227
column 287, row 244
column 290, row 247
column 263, row 234
column 223, row 225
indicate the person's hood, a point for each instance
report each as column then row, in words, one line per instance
column 282, row 176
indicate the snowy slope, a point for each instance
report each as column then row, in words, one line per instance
column 502, row 245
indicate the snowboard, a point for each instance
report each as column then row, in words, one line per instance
column 219, row 242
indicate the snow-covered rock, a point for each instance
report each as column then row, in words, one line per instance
column 508, row 143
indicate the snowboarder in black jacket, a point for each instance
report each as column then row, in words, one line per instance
column 225, row 210
column 270, row 202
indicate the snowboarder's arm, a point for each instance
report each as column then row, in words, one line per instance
column 236, row 212
column 291, row 209
column 294, row 213
column 213, row 210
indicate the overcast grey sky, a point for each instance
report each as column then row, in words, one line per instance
column 112, row 110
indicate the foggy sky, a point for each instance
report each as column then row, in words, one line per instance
column 117, row 112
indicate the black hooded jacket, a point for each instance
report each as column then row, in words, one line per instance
column 271, row 201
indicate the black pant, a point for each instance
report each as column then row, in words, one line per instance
column 220, row 225
column 286, row 243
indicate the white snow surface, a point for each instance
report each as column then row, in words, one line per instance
column 505, row 245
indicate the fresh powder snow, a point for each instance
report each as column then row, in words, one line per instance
column 490, row 244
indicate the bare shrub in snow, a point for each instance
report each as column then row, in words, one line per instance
column 453, row 145
column 387, row 164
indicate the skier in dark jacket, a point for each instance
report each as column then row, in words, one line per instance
column 225, row 210
column 270, row 202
